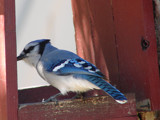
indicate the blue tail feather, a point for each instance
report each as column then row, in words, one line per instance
column 105, row 86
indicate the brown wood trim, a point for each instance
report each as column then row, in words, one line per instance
column 8, row 66
column 92, row 108
column 87, row 39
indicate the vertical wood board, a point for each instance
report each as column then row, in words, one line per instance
column 138, row 68
column 8, row 71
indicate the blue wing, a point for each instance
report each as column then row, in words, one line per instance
column 105, row 86
column 74, row 66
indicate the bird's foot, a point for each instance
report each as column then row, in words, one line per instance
column 52, row 98
column 78, row 96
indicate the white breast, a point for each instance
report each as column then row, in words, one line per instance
column 39, row 68
column 68, row 83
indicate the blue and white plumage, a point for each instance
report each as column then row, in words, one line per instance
column 65, row 70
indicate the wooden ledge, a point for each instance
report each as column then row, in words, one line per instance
column 92, row 108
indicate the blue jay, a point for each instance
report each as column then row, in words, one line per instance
column 65, row 70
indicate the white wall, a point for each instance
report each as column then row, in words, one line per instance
column 37, row 19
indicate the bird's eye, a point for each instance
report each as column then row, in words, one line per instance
column 28, row 50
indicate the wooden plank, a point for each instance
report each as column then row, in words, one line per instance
column 8, row 78
column 93, row 108
column 149, row 32
column 138, row 68
column 104, row 25
column 95, row 37
column 87, row 39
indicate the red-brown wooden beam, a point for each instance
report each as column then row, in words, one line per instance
column 116, row 32
column 8, row 71
column 138, row 67
column 87, row 37
column 93, row 108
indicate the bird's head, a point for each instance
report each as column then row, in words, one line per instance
column 33, row 51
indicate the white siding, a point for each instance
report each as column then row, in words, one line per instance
column 37, row 19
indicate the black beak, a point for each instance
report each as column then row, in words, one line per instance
column 20, row 57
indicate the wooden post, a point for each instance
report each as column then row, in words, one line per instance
column 8, row 74
column 87, row 39
column 138, row 67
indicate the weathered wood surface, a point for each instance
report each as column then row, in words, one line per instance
column 8, row 66
column 126, row 37
column 93, row 108
column 138, row 67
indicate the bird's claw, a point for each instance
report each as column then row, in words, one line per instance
column 52, row 99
